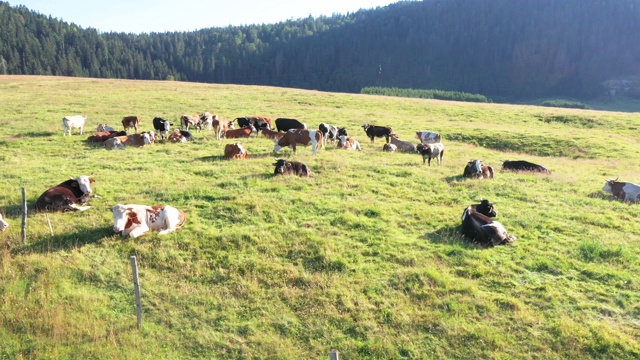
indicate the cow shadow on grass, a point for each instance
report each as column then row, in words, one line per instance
column 449, row 235
column 64, row 241
column 36, row 134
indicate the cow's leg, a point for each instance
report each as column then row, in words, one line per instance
column 138, row 231
column 81, row 130
column 78, row 207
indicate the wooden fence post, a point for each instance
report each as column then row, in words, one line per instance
column 334, row 355
column 136, row 287
column 24, row 216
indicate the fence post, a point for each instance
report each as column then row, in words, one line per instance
column 24, row 216
column 333, row 355
column 136, row 288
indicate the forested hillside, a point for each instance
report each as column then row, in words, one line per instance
column 509, row 49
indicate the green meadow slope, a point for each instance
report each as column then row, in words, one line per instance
column 364, row 257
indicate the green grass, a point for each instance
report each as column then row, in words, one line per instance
column 364, row 257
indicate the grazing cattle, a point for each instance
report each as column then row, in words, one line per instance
column 244, row 132
column 300, row 137
column 329, row 132
column 374, row 131
column 235, row 151
column 477, row 225
column 429, row 151
column 135, row 220
column 3, row 224
column 348, row 143
column 270, row 134
column 71, row 122
column 389, row 147
column 100, row 137
column 475, row 169
column 428, row 137
column 624, row 191
column 206, row 120
column 129, row 122
column 522, row 165
column 67, row 195
column 104, row 128
column 135, row 140
column 284, row 124
column 284, row 167
column 162, row 126
column 402, row 145
column 187, row 121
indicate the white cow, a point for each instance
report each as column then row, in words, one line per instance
column 3, row 224
column 428, row 137
column 74, row 121
column 348, row 143
column 625, row 191
column 104, row 128
column 135, row 220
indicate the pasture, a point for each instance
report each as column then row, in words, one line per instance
column 364, row 257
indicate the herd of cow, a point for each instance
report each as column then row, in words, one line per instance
column 134, row 220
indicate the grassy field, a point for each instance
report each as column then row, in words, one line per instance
column 364, row 257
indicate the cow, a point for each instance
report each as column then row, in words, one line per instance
column 177, row 136
column 71, row 122
column 624, row 191
column 428, row 137
column 522, row 165
column 129, row 122
column 101, row 137
column 187, row 121
column 429, row 151
column 402, row 145
column 67, row 196
column 162, row 126
column 244, row 132
column 220, row 127
column 478, row 225
column 329, row 132
column 206, row 120
column 374, row 131
column 104, row 127
column 270, row 134
column 284, row 167
column 284, row 124
column 348, row 143
column 3, row 224
column 136, row 140
column 389, row 148
column 136, row 220
column 300, row 137
column 475, row 169
column 235, row 151
column 258, row 122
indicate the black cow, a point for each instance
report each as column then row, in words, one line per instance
column 258, row 122
column 284, row 124
column 187, row 134
column 67, row 195
column 374, row 131
column 284, row 167
column 477, row 225
column 522, row 165
column 162, row 126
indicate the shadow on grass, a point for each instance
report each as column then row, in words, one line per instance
column 34, row 134
column 63, row 242
column 450, row 235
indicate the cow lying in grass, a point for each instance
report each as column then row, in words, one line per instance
column 136, row 220
column 284, row 167
column 3, row 224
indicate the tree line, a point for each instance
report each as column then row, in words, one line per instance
column 505, row 49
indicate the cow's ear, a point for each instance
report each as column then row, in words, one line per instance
column 92, row 180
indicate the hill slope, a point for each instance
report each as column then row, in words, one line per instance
column 364, row 257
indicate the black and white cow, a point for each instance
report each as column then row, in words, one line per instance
column 162, row 126
column 478, row 225
column 374, row 131
column 331, row 132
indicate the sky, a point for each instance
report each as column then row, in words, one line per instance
column 138, row 16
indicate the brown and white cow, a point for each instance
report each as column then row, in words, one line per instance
column 72, row 122
column 129, row 122
column 625, row 191
column 235, row 151
column 348, row 143
column 284, row 167
column 135, row 140
column 136, row 220
column 402, row 145
column 475, row 169
column 431, row 151
column 3, row 224
column 389, row 148
column 206, row 120
column 221, row 126
column 187, row 121
column 428, row 137
column 244, row 132
column 295, row 137
column 177, row 136
column 100, row 136
column 66, row 196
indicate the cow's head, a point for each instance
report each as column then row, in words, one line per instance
column 476, row 165
column 84, row 182
column 486, row 208
column 365, row 126
column 3, row 224
column 277, row 146
column 342, row 132
column 608, row 185
column 123, row 217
